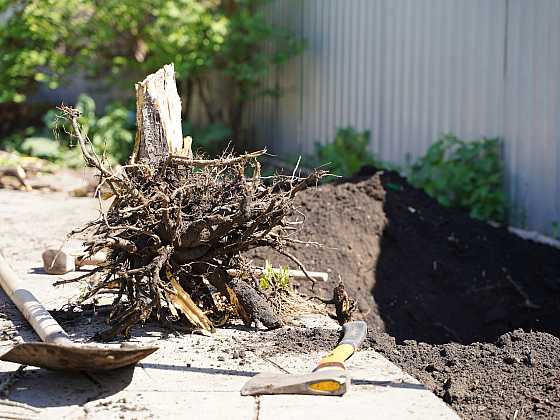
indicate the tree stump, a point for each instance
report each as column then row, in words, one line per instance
column 158, row 117
column 159, row 135
column 179, row 222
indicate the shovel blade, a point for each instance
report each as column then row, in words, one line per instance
column 324, row 382
column 76, row 357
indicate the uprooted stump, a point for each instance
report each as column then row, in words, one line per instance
column 177, row 224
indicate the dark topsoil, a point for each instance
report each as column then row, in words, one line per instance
column 470, row 310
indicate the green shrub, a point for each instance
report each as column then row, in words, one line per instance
column 347, row 153
column 464, row 174
column 121, row 41
column 210, row 140
column 112, row 135
column 114, row 132
column 34, row 40
column 41, row 147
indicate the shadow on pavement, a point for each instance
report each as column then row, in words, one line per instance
column 188, row 368
column 388, row 384
column 42, row 388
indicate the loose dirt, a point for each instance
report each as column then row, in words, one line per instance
column 453, row 295
column 518, row 376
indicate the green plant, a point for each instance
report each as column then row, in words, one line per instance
column 346, row 154
column 33, row 42
column 555, row 230
column 276, row 278
column 120, row 41
column 111, row 134
column 464, row 174
column 41, row 147
column 211, row 140
column 251, row 47
column 114, row 132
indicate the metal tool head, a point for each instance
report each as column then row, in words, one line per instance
column 87, row 357
column 324, row 382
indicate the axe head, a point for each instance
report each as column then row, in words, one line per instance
column 322, row 382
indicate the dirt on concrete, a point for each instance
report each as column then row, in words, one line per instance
column 445, row 296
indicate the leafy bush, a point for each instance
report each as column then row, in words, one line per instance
column 464, row 174
column 210, row 140
column 111, row 134
column 41, row 147
column 43, row 40
column 347, row 153
column 32, row 41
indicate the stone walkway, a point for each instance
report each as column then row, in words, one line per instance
column 190, row 376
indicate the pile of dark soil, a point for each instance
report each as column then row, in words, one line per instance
column 429, row 274
column 518, row 376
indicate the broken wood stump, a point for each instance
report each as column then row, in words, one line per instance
column 178, row 220
column 158, row 117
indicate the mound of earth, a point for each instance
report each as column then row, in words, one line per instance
column 518, row 376
column 427, row 274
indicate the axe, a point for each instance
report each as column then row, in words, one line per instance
column 328, row 378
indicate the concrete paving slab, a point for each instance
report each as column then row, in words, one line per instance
column 190, row 376
column 379, row 390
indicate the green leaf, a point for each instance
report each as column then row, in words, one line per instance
column 464, row 174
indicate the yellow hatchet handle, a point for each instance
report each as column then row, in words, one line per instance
column 354, row 334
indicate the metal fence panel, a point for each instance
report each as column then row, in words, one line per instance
column 410, row 70
column 532, row 128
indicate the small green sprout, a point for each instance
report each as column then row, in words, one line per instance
column 274, row 277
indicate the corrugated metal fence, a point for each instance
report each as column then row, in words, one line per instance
column 410, row 70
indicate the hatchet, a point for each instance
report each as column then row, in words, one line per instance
column 330, row 377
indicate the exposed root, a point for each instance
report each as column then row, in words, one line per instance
column 343, row 304
column 173, row 231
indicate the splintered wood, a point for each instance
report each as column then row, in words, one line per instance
column 158, row 117
column 178, row 226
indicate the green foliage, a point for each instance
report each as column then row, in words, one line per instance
column 129, row 37
column 111, row 134
column 32, row 41
column 464, row 174
column 243, row 56
column 347, row 153
column 41, row 147
column 274, row 278
column 228, row 41
column 209, row 139
column 555, row 230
